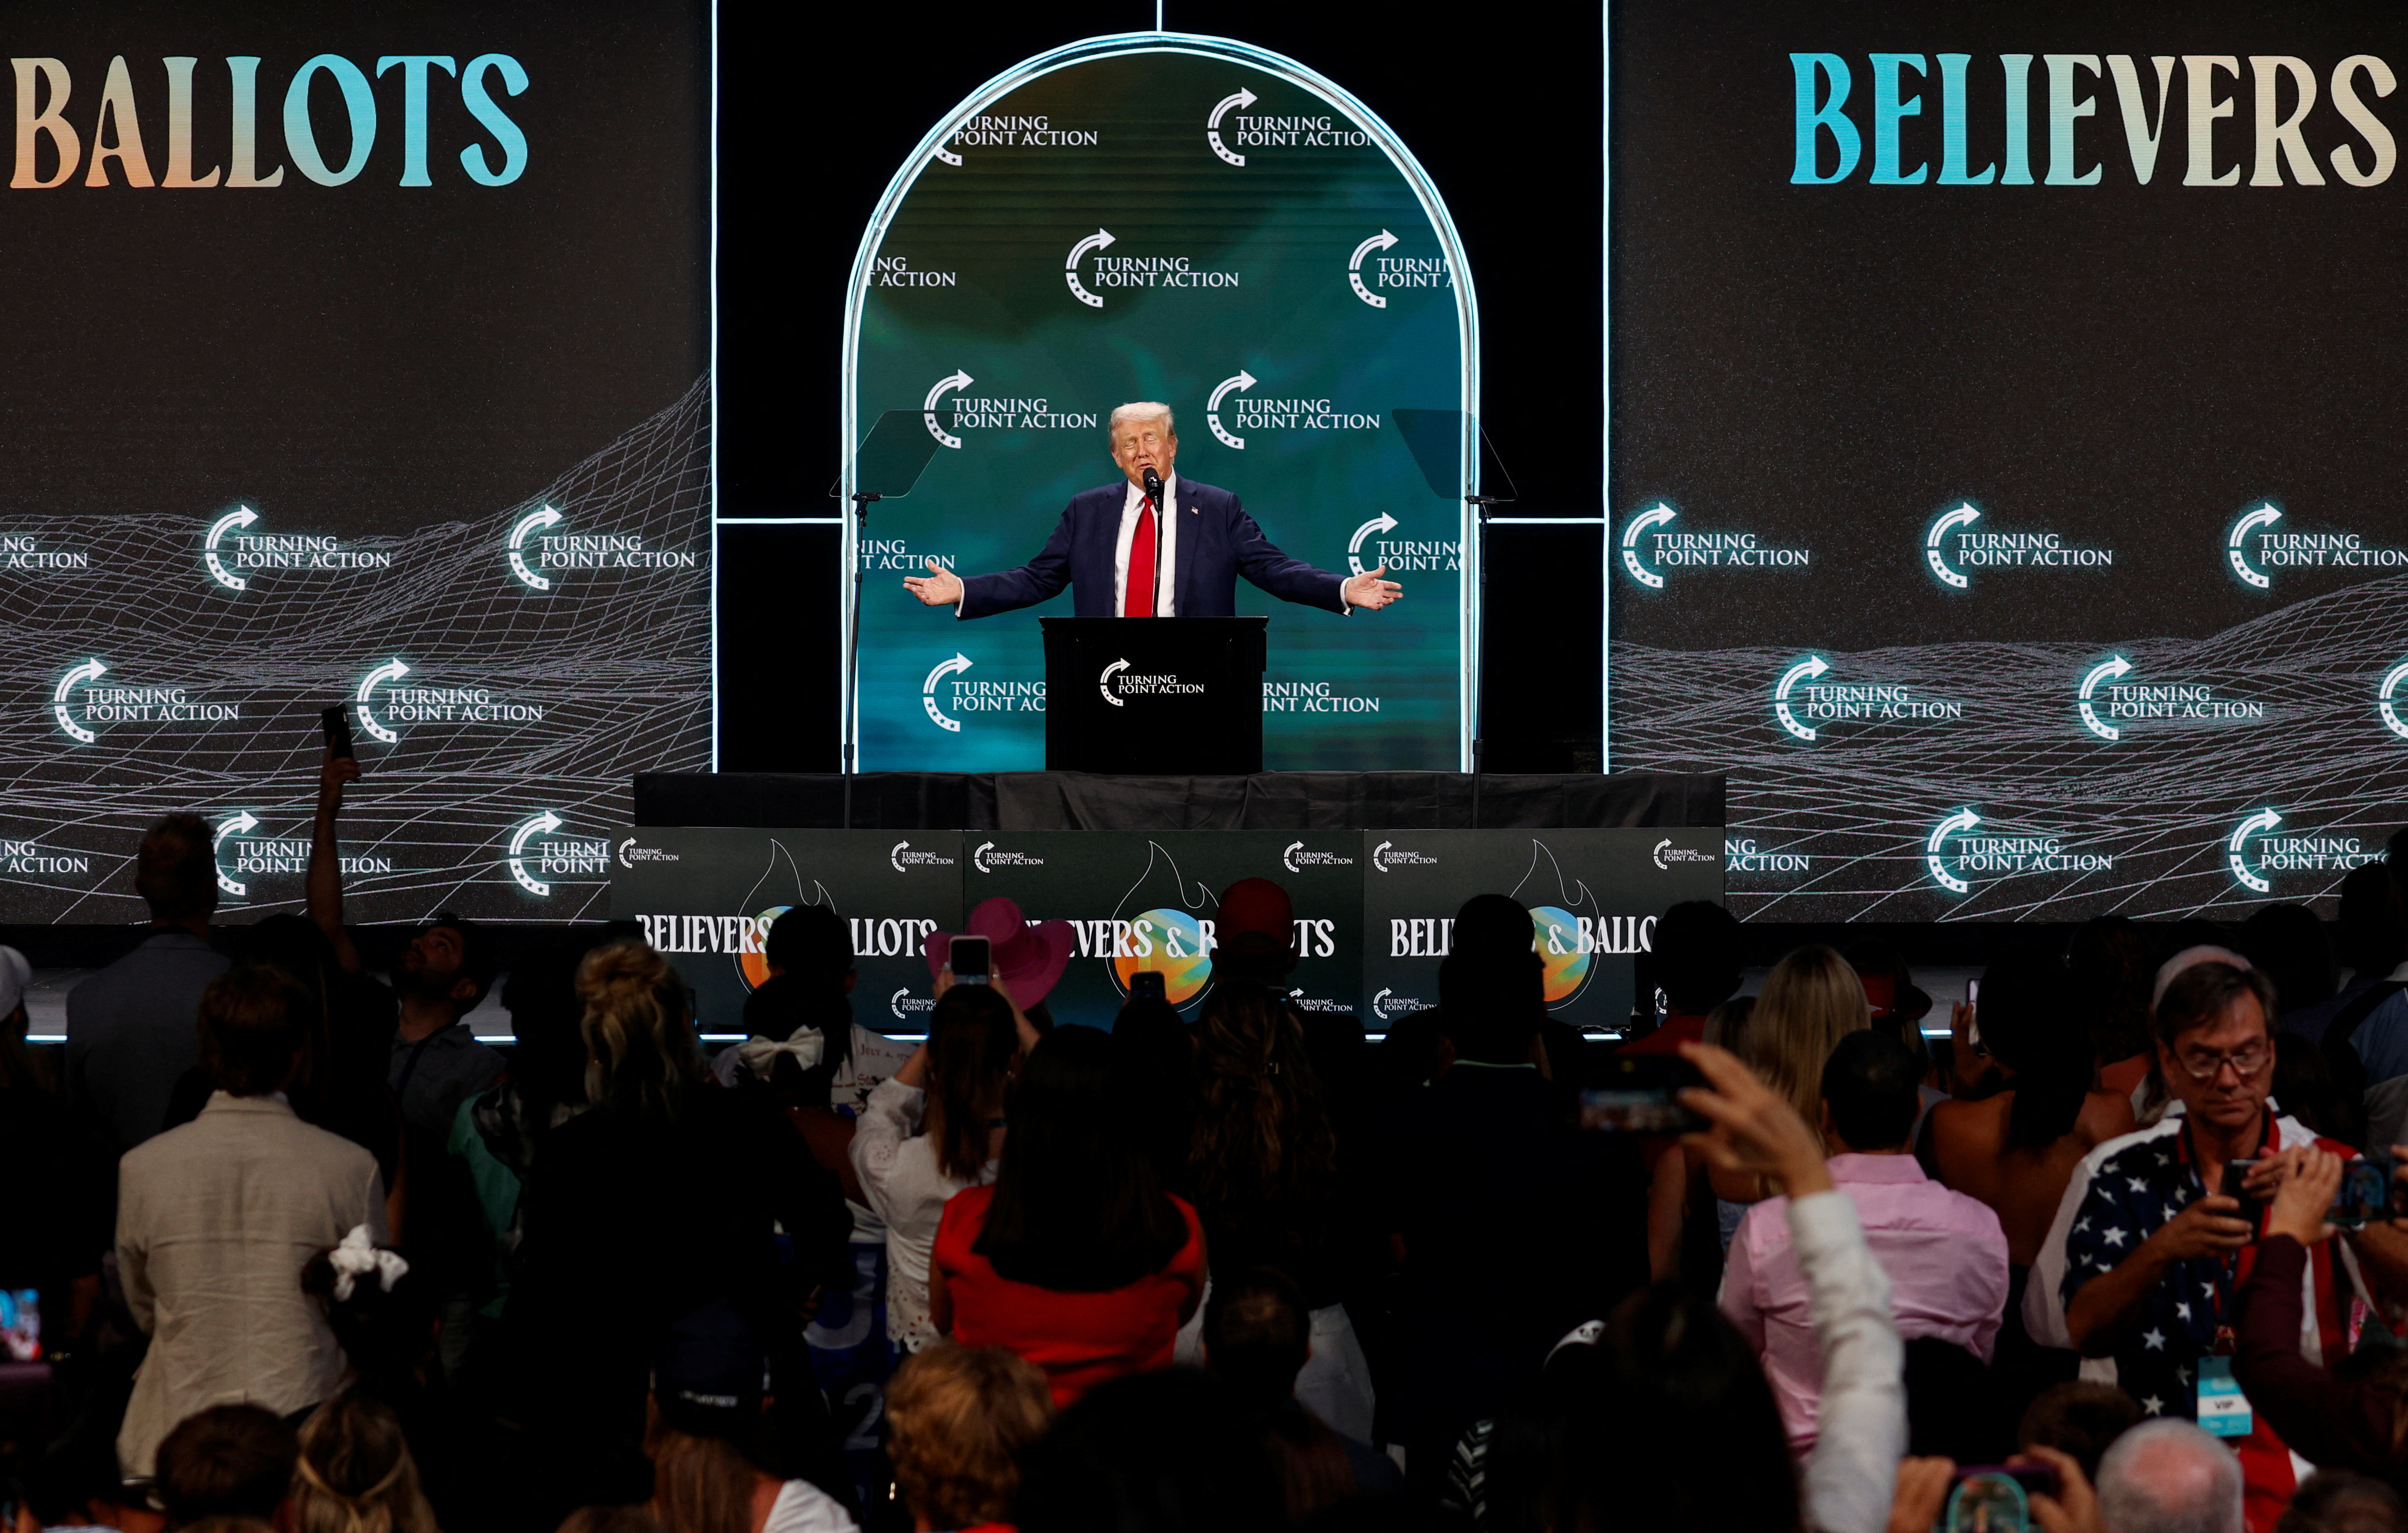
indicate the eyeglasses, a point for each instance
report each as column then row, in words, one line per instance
column 2247, row 1064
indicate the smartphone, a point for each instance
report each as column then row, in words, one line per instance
column 1146, row 985
column 1996, row 1497
column 1639, row 1096
column 21, row 1326
column 1973, row 992
column 2366, row 1195
column 336, row 722
column 969, row 960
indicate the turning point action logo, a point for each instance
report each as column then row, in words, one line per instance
column 1837, row 702
column 560, row 552
column 2252, row 548
column 1135, row 270
column 1314, row 132
column 1646, row 554
column 1394, row 271
column 2252, row 861
column 2104, row 684
column 1117, row 681
column 1000, row 415
column 1265, row 414
column 82, row 708
column 555, row 857
column 977, row 697
column 1950, row 550
column 1955, row 856
column 254, row 552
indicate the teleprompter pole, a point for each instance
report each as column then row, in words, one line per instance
column 861, row 500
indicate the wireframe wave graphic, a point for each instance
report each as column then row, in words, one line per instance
column 616, row 661
column 2161, row 801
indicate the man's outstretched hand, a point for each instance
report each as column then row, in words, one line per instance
column 938, row 588
column 1367, row 590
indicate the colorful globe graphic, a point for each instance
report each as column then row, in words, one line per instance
column 1177, row 943
column 1556, row 933
column 755, row 967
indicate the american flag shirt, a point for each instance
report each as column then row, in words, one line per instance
column 2133, row 1193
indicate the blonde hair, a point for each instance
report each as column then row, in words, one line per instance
column 699, row 1485
column 1813, row 1000
column 356, row 1474
column 640, row 1053
column 957, row 1420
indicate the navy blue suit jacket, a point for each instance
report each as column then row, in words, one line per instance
column 1217, row 541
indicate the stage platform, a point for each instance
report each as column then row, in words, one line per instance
column 1264, row 800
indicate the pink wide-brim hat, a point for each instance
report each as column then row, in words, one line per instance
column 1029, row 960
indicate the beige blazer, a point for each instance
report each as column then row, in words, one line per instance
column 214, row 1222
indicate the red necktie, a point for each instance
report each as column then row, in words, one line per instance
column 1139, row 602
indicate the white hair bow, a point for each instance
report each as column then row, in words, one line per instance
column 760, row 1055
column 358, row 1256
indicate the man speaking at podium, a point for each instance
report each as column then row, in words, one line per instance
column 1154, row 547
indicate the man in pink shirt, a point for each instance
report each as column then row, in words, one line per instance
column 1944, row 1254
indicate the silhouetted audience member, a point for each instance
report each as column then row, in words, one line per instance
column 1153, row 1060
column 2016, row 1149
column 660, row 1199
column 2366, row 939
column 60, row 1170
column 130, row 1033
column 215, row 1220
column 1160, row 1453
column 1257, row 1340
column 1511, row 1226
column 228, row 1460
column 2110, row 962
column 1266, row 1182
column 1698, row 960
column 351, row 1041
column 2079, row 1418
column 2290, row 945
column 1075, row 1258
column 960, row 1421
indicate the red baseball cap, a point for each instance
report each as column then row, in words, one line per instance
column 1255, row 907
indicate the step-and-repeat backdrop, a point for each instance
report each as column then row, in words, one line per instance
column 2008, row 431
column 1374, row 909
column 352, row 363
column 1192, row 221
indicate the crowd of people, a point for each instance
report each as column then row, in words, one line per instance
column 307, row 1255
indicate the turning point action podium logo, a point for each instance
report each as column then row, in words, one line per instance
column 1956, row 858
column 2254, row 854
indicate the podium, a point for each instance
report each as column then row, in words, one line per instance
column 1154, row 695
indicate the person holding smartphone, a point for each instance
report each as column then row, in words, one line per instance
column 2359, row 1422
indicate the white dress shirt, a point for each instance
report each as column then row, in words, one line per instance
column 1166, row 549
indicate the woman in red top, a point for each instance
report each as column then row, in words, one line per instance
column 1076, row 1259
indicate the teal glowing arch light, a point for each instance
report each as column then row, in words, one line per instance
column 931, row 149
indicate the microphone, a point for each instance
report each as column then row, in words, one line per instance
column 1154, row 487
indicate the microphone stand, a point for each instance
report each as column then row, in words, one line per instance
column 1480, row 504
column 861, row 500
